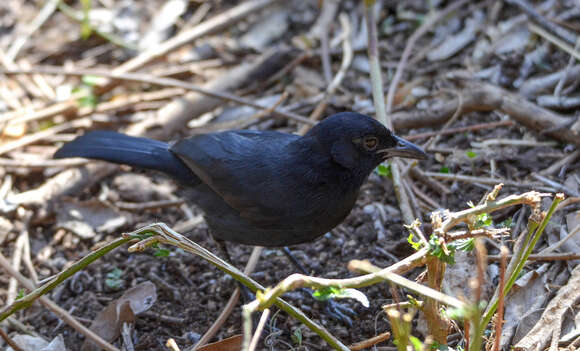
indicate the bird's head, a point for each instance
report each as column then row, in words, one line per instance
column 357, row 141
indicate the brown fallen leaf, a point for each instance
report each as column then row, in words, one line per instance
column 233, row 343
column 108, row 323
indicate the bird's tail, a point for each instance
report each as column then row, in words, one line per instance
column 124, row 149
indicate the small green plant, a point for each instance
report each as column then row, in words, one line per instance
column 444, row 169
column 161, row 253
column 471, row 154
column 297, row 337
column 86, row 29
column 415, row 244
column 21, row 293
column 333, row 292
column 384, row 171
column 114, row 279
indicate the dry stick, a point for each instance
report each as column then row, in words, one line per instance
column 296, row 280
column 482, row 180
column 480, row 126
column 453, row 118
column 337, row 80
column 554, row 40
column 556, row 166
column 9, row 341
column 31, row 138
column 556, row 185
column 210, row 26
column 103, row 107
column 381, row 112
column 320, row 29
column 54, row 308
column 564, row 78
column 149, row 79
column 231, row 304
column 163, row 234
column 530, row 198
column 499, row 314
column 46, row 11
column 368, row 343
column 425, row 27
column 259, row 328
column 561, row 242
column 566, row 256
column 543, row 21
column 67, row 108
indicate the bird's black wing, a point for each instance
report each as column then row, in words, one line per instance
column 250, row 170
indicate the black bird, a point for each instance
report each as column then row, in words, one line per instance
column 263, row 188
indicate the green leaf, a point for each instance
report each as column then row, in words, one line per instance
column 463, row 244
column 436, row 250
column 384, row 171
column 483, row 220
column 333, row 292
column 471, row 154
column 444, row 169
column 90, row 99
column 297, row 336
column 415, row 244
column 508, row 223
column 441, row 347
column 21, row 293
column 417, row 344
column 90, row 80
column 86, row 29
column 161, row 253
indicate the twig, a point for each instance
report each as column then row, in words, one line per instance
column 381, row 112
column 41, row 164
column 368, row 343
column 556, row 185
column 453, row 118
column 9, row 341
column 480, row 126
column 482, row 180
column 296, row 280
column 41, row 17
column 542, row 257
column 561, row 242
column 544, row 22
column 39, row 294
column 531, row 198
column 337, row 80
column 536, row 227
column 571, row 61
column 149, row 79
column 227, row 311
column 423, row 29
column 212, row 25
column 29, row 139
column 514, row 142
column 163, row 234
column 259, row 329
column 554, row 40
column 499, row 315
column 147, row 205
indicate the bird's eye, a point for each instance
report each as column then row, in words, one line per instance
column 370, row 143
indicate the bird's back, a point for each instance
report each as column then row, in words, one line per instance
column 259, row 189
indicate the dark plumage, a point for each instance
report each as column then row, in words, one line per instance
column 262, row 187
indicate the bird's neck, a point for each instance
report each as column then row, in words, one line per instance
column 317, row 156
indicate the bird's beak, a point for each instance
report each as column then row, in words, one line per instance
column 404, row 149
